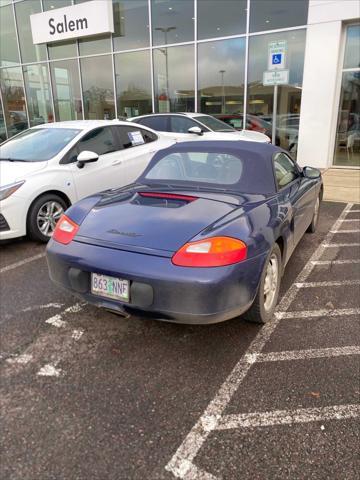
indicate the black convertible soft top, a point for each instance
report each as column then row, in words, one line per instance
column 257, row 159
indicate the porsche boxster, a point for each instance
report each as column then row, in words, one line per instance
column 202, row 236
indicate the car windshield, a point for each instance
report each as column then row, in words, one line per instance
column 37, row 145
column 214, row 124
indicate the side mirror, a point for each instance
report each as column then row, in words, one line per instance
column 310, row 172
column 86, row 157
column 196, row 130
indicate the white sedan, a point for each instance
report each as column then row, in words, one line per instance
column 47, row 168
column 187, row 126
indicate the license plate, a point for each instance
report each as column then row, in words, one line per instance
column 110, row 287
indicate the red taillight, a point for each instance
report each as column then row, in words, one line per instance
column 65, row 230
column 168, row 196
column 211, row 252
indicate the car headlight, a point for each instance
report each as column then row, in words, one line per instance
column 8, row 190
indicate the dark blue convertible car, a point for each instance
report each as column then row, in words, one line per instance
column 202, row 236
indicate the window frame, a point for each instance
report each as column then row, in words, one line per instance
column 66, row 158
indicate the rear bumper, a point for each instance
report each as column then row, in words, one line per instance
column 158, row 289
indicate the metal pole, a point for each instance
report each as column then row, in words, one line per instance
column 273, row 133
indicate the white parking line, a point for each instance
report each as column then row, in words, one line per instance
column 288, row 417
column 50, row 370
column 305, row 354
column 336, row 262
column 57, row 321
column 355, row 230
column 337, row 245
column 351, row 220
column 22, row 359
column 21, row 262
column 319, row 313
column 352, row 211
column 181, row 462
column 335, row 283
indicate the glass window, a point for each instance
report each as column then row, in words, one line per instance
column 181, row 124
column 38, row 94
column 65, row 49
column 260, row 97
column 269, row 15
column 133, row 83
column 159, row 123
column 29, row 51
column 13, row 95
column 215, row 168
column 221, row 67
column 174, row 79
column 129, row 136
column 98, row 88
column 172, row 21
column 285, row 170
column 100, row 43
column 99, row 140
column 214, row 124
column 352, row 49
column 66, row 90
column 9, row 54
column 220, row 19
column 38, row 144
column 131, row 24
column 347, row 148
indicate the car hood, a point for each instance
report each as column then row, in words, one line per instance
column 154, row 224
column 11, row 172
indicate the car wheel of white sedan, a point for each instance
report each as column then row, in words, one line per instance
column 43, row 216
column 266, row 299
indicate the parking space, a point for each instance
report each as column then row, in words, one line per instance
column 87, row 394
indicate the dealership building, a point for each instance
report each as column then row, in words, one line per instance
column 290, row 64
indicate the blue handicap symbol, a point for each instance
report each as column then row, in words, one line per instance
column 276, row 58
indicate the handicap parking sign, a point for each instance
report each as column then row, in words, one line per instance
column 276, row 58
column 277, row 54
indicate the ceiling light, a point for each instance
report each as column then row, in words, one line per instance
column 267, row 21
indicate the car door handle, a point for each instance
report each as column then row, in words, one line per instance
column 119, row 162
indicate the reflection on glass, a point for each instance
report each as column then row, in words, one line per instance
column 2, row 124
column 221, row 76
column 219, row 19
column 66, row 90
column 98, row 88
column 347, row 148
column 14, row 99
column 352, row 50
column 260, row 97
column 29, row 51
column 174, row 79
column 271, row 14
column 133, row 83
column 100, row 44
column 60, row 49
column 9, row 54
column 172, row 21
column 38, row 94
column 131, row 24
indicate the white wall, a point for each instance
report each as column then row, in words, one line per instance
column 321, row 82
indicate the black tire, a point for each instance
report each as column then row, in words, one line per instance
column 257, row 312
column 37, row 208
column 315, row 220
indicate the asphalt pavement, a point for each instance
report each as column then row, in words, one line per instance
column 89, row 395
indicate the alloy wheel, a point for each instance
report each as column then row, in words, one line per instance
column 48, row 215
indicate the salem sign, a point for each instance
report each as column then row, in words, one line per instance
column 85, row 19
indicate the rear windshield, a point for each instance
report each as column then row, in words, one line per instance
column 37, row 145
column 214, row 124
column 214, row 168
